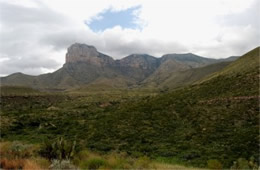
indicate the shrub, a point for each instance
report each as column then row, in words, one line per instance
column 214, row 164
column 93, row 163
column 42, row 162
column 143, row 163
column 61, row 164
column 30, row 164
column 20, row 150
column 118, row 161
column 242, row 163
column 252, row 164
column 16, row 150
column 59, row 149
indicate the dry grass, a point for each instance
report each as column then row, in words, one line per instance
column 16, row 155
column 174, row 167
column 31, row 165
column 24, row 164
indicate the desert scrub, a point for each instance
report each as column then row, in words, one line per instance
column 94, row 163
column 60, row 149
column 25, row 164
column 17, row 150
column 62, row 164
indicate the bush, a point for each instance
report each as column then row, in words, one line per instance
column 63, row 164
column 16, row 150
column 143, row 163
column 93, row 163
column 119, row 161
column 59, row 149
column 242, row 163
column 21, row 150
column 252, row 163
column 214, row 164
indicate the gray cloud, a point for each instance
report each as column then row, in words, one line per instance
column 119, row 49
column 31, row 38
column 250, row 16
column 21, row 32
column 29, row 35
column 27, row 65
column 246, row 26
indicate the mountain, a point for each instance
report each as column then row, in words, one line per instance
column 138, row 66
column 173, row 63
column 189, row 59
column 216, row 119
column 85, row 66
column 176, row 70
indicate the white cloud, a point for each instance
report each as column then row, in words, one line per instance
column 34, row 34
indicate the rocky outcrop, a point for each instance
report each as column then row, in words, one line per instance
column 87, row 54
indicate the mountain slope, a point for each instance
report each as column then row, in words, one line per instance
column 174, row 79
column 215, row 119
column 182, row 69
column 138, row 66
column 189, row 59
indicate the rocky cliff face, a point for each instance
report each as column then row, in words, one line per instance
column 138, row 66
column 143, row 61
column 87, row 54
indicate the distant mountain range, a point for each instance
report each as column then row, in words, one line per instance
column 86, row 67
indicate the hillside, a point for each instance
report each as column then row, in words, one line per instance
column 213, row 120
column 216, row 119
column 85, row 66
column 173, row 79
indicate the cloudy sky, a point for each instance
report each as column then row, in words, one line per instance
column 35, row 34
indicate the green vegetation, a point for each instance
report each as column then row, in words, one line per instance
column 18, row 90
column 209, row 124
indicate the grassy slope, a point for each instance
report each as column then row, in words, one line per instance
column 187, row 77
column 17, row 90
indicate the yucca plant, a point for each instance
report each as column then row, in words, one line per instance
column 60, row 149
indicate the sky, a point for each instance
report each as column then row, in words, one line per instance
column 35, row 34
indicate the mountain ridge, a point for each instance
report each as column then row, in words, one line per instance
column 84, row 65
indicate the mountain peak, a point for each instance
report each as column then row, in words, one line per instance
column 81, row 52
